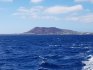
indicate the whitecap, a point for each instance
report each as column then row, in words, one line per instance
column 88, row 63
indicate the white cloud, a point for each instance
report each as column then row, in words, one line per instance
column 88, row 18
column 63, row 9
column 36, row 12
column 91, row 1
column 36, row 1
column 40, row 12
column 24, row 12
column 6, row 0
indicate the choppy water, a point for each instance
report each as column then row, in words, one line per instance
column 25, row 52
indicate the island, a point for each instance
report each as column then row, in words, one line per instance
column 53, row 31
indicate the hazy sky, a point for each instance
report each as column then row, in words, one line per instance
column 17, row 16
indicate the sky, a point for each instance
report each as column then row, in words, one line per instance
column 18, row 16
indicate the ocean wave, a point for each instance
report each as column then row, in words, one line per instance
column 88, row 63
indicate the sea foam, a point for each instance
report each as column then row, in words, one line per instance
column 88, row 63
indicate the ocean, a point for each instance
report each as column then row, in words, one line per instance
column 46, row 52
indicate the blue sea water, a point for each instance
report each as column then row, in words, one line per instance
column 44, row 52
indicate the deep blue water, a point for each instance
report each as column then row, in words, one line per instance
column 26, row 52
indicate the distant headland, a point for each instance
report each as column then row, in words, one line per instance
column 53, row 31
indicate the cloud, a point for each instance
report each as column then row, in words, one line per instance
column 88, row 18
column 36, row 1
column 24, row 12
column 52, row 13
column 39, row 12
column 36, row 12
column 63, row 9
column 91, row 1
column 6, row 0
